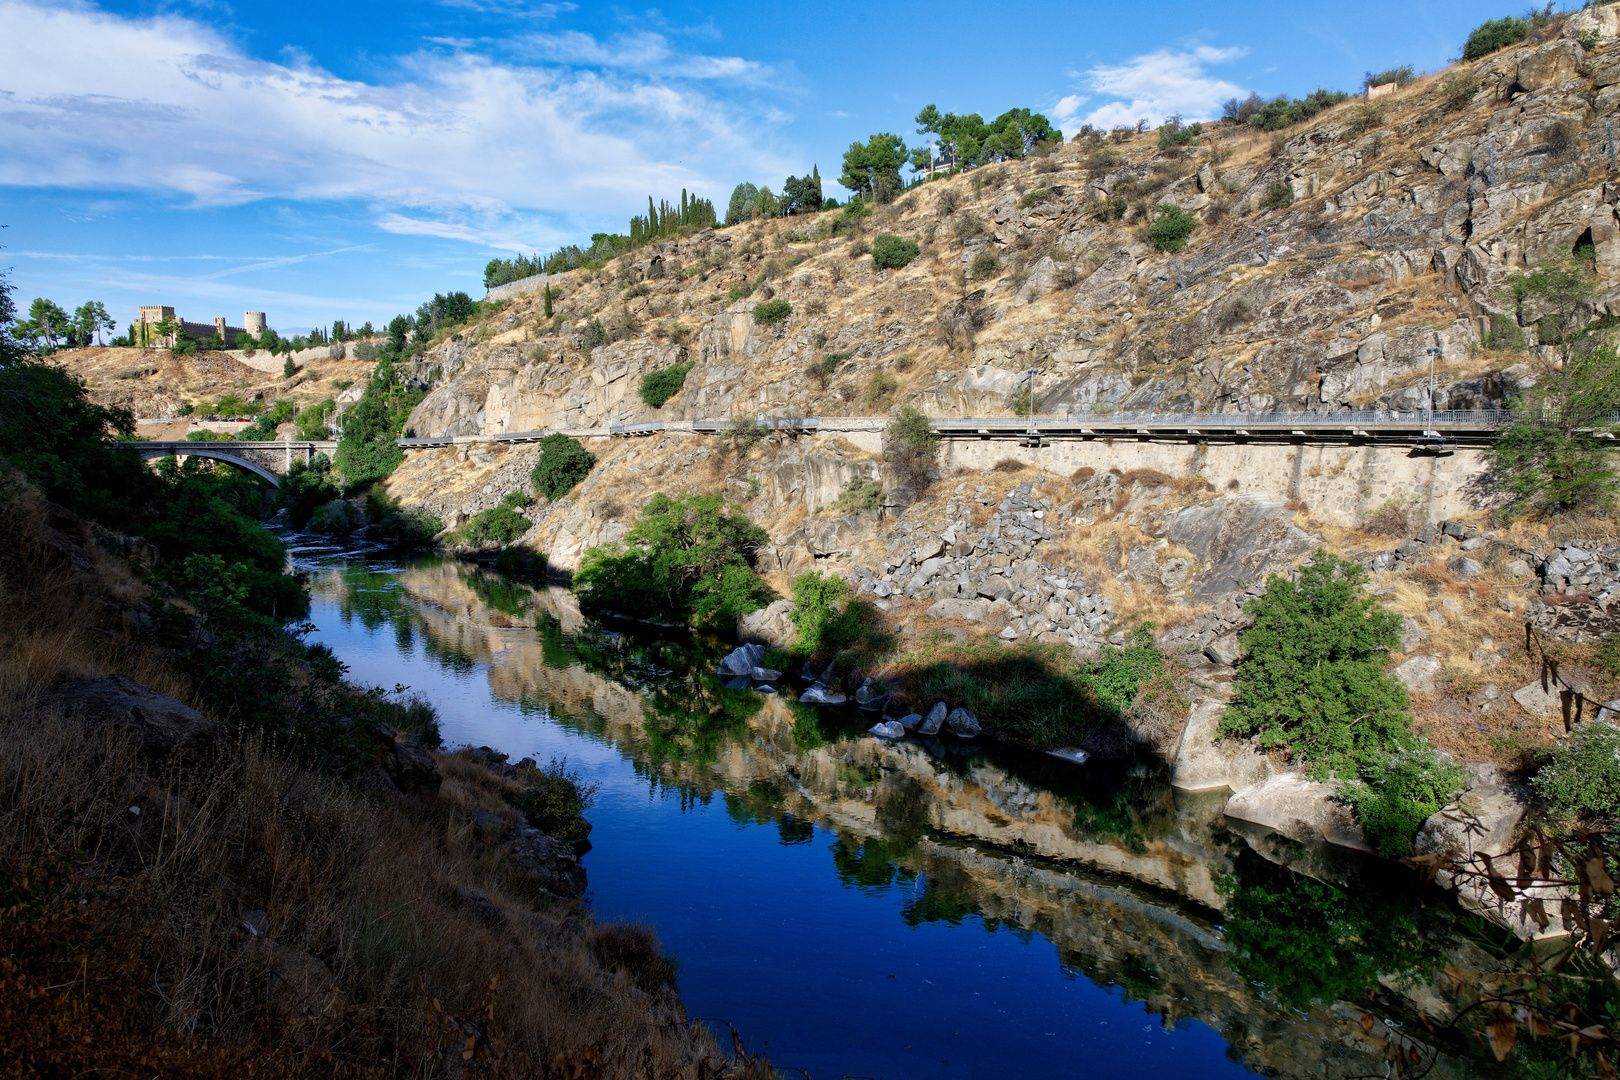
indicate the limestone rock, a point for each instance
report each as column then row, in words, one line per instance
column 771, row 626
column 1417, row 674
column 963, row 724
column 973, row 610
column 408, row 764
column 543, row 861
column 889, row 729
column 934, row 720
column 1224, row 650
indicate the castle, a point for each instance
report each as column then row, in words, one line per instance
column 145, row 332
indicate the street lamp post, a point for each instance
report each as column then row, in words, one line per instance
column 1433, row 353
column 1032, row 372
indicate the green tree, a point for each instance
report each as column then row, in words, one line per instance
column 1313, row 676
column 1553, row 457
column 1494, row 34
column 47, row 325
column 741, row 206
column 688, row 556
column 911, row 447
column 872, row 168
column 1173, row 132
column 562, row 464
column 288, row 368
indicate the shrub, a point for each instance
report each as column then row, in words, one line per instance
column 1494, row 34
column 562, row 464
column 1171, row 227
column 498, row 525
column 893, row 251
column 825, row 613
column 659, row 386
column 687, row 556
column 911, row 447
column 1400, row 76
column 860, row 494
column 1458, row 89
column 594, row 334
column 984, row 264
column 1583, row 778
column 880, row 389
column 288, row 368
column 1279, row 195
column 555, row 802
column 1174, row 133
column 772, row 312
column 1397, row 793
column 1313, row 678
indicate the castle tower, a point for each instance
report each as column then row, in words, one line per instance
column 253, row 322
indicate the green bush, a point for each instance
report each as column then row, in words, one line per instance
column 826, row 614
column 1279, row 196
column 911, row 446
column 772, row 312
column 860, row 494
column 229, row 405
column 893, row 251
column 1396, row 794
column 555, row 802
column 1173, row 132
column 1494, row 34
column 562, row 464
column 1583, row 777
column 686, row 557
column 593, row 335
column 984, row 264
column 498, row 525
column 1313, row 678
column 288, row 368
column 659, row 386
column 1171, row 227
column 880, row 389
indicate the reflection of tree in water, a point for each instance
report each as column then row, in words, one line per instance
column 1304, row 942
column 764, row 803
column 1134, row 806
column 690, row 712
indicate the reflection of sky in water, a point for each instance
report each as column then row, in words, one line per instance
column 821, row 967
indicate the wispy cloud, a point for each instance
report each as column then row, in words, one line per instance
column 461, row 144
column 516, row 9
column 1158, row 84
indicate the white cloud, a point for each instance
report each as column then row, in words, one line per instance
column 1067, row 108
column 1158, row 84
column 462, row 144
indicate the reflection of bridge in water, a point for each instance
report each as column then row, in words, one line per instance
column 269, row 461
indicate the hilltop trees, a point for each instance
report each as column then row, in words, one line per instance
column 1494, row 34
column 872, row 168
column 741, row 206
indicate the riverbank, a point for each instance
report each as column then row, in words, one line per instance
column 183, row 892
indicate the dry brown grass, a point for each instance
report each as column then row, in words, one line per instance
column 372, row 960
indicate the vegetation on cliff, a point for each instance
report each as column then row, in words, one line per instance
column 687, row 558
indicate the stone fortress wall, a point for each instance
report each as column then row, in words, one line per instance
column 150, row 315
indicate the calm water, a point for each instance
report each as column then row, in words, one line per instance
column 853, row 909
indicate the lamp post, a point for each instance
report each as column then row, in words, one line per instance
column 1429, row 427
column 1032, row 372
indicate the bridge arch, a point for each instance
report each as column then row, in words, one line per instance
column 216, row 455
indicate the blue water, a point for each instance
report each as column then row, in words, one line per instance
column 822, row 972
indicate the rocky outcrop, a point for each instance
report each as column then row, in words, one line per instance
column 159, row 725
column 1300, row 809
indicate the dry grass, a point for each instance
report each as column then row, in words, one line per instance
column 372, row 960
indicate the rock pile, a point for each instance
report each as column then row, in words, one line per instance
column 991, row 573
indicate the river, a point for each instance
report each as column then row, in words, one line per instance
column 920, row 909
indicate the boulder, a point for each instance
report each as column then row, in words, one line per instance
column 973, row 610
column 1412, row 633
column 1551, row 65
column 1224, row 650
column 888, row 729
column 934, row 720
column 544, row 862
column 821, row 695
column 869, row 696
column 406, row 760
column 1536, row 701
column 1300, row 809
column 963, row 724
column 910, row 721
column 771, row 626
column 930, row 548
column 1417, row 674
column 1463, row 568
column 742, row 660
column 1238, row 538
column 160, row 725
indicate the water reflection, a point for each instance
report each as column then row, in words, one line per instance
column 1142, row 892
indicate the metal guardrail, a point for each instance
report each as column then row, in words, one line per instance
column 1356, row 423
column 197, row 444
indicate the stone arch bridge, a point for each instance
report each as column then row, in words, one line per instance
column 269, row 461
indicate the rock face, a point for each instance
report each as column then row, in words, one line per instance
column 160, row 725
column 771, row 626
column 1300, row 810
column 408, row 764
column 543, row 862
column 1417, row 674
column 1239, row 539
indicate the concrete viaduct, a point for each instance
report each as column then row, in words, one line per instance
column 269, row 461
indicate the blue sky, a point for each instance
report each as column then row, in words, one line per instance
column 346, row 160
